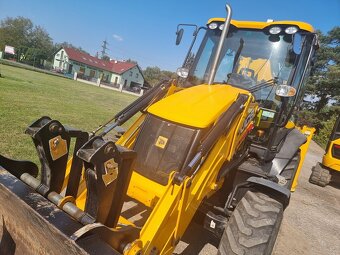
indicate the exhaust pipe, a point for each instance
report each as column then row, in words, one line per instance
column 220, row 45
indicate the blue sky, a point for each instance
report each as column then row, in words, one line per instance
column 145, row 30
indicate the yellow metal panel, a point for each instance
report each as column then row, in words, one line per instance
column 145, row 190
column 262, row 25
column 290, row 124
column 199, row 106
column 328, row 160
column 67, row 173
column 308, row 132
column 81, row 198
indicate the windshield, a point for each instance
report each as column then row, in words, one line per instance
column 249, row 57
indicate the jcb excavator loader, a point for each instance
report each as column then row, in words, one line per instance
column 323, row 172
column 217, row 142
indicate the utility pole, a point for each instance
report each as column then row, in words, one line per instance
column 104, row 48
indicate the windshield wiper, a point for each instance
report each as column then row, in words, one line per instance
column 253, row 88
column 263, row 84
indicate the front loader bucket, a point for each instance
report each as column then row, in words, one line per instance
column 30, row 224
column 37, row 218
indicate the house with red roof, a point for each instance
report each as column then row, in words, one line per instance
column 118, row 74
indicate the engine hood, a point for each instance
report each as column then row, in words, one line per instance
column 198, row 106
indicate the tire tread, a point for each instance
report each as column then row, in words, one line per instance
column 320, row 176
column 261, row 215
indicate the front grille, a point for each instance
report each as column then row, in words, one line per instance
column 162, row 147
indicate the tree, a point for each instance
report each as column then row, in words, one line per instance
column 57, row 46
column 41, row 46
column 154, row 75
column 32, row 43
column 324, row 85
column 323, row 88
column 15, row 32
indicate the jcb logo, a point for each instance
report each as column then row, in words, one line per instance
column 161, row 142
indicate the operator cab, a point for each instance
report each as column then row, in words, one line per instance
column 259, row 57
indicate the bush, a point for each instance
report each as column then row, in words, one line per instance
column 323, row 122
column 323, row 134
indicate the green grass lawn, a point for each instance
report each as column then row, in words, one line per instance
column 27, row 95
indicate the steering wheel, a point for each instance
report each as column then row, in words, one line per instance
column 241, row 79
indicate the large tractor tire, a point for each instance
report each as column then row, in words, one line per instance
column 320, row 176
column 253, row 226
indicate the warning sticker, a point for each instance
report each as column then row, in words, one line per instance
column 161, row 142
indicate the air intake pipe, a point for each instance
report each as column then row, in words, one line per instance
column 220, row 45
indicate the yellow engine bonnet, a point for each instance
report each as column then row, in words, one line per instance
column 198, row 106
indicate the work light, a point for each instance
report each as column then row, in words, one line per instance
column 213, row 25
column 291, row 30
column 275, row 30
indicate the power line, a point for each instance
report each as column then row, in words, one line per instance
column 104, row 48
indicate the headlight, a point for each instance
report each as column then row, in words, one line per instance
column 275, row 30
column 285, row 91
column 291, row 30
column 182, row 72
column 213, row 25
column 221, row 27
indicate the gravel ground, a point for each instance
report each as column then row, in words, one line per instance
column 311, row 223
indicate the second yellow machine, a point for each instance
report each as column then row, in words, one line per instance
column 323, row 172
column 216, row 142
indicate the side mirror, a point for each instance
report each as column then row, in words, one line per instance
column 179, row 35
column 285, row 91
column 297, row 43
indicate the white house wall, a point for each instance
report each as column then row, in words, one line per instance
column 113, row 78
column 132, row 75
column 60, row 60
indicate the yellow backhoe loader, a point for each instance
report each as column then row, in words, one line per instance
column 323, row 172
column 217, row 141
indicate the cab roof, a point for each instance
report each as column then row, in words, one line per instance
column 261, row 25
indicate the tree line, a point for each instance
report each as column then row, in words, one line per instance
column 32, row 43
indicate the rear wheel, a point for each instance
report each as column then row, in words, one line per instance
column 320, row 176
column 253, row 226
